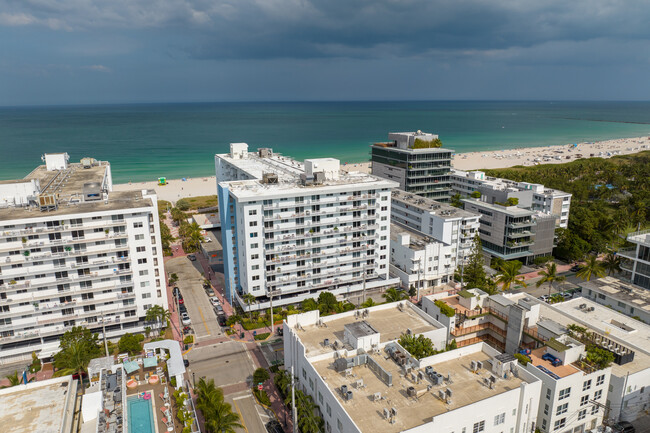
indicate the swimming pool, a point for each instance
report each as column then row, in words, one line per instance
column 140, row 413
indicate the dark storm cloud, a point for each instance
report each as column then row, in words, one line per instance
column 268, row 29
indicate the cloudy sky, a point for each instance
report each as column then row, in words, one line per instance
column 112, row 51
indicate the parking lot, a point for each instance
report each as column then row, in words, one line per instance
column 190, row 283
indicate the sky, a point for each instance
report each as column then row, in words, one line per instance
column 129, row 51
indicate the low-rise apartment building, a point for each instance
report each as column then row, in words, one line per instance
column 531, row 196
column 512, row 232
column 363, row 380
column 74, row 253
column 292, row 229
column 619, row 295
column 637, row 267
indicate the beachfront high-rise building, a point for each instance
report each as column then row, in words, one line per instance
column 74, row 253
column 416, row 161
column 293, row 229
column 531, row 196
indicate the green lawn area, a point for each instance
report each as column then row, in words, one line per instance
column 199, row 202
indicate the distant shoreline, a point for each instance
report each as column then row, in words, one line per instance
column 526, row 156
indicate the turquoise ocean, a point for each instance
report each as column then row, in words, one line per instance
column 145, row 141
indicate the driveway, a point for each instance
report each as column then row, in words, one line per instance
column 190, row 283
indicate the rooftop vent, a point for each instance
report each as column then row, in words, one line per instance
column 270, row 178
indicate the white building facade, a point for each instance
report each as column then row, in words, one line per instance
column 292, row 230
column 74, row 253
column 637, row 266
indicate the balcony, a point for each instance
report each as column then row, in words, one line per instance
column 520, row 225
column 516, row 235
column 629, row 253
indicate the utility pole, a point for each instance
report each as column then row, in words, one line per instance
column 294, row 416
column 602, row 406
column 104, row 334
column 620, row 414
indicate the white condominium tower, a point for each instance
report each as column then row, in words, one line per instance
column 292, row 229
column 74, row 253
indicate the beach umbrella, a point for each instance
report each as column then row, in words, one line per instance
column 25, row 377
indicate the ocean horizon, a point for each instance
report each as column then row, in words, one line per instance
column 144, row 141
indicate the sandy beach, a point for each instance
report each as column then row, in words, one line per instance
column 193, row 187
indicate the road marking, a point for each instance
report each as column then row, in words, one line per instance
column 241, row 397
column 203, row 318
column 241, row 417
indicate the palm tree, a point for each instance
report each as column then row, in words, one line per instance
column 550, row 276
column 612, row 263
column 369, row 303
column 509, row 275
column 249, row 299
column 74, row 360
column 219, row 417
column 14, row 379
column 156, row 313
column 591, row 268
column 394, row 295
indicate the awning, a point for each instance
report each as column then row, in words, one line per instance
column 131, row 366
column 150, row 362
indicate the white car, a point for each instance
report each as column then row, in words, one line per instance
column 185, row 319
column 214, row 301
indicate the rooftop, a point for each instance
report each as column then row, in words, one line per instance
column 289, row 174
column 441, row 210
column 560, row 370
column 116, row 201
column 418, row 240
column 510, row 210
column 466, row 386
column 641, row 237
column 71, row 181
column 621, row 291
column 390, row 322
column 38, row 406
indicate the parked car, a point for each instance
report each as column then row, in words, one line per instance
column 567, row 295
column 221, row 319
column 274, row 426
column 575, row 268
column 187, row 330
column 185, row 319
column 182, row 309
column 214, row 301
column 192, row 257
column 176, row 291
column 186, row 363
column 218, row 309
column 181, row 301
column 544, row 298
column 624, row 427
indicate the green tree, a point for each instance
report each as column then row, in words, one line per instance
column 130, row 343
column 368, row 303
column 413, row 291
column 455, row 201
column 14, row 379
column 173, row 278
column 591, row 268
column 474, row 275
column 570, row 246
column 261, row 375
column 393, row 295
column 419, row 347
column 550, row 276
column 157, row 314
column 74, row 359
column 327, row 302
column 509, row 275
column 84, row 335
column 219, row 417
column 309, row 304
column 512, row 201
column 249, row 300
column 612, row 263
column 475, row 194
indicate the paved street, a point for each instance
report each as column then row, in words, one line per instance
column 252, row 414
column 190, row 282
column 228, row 363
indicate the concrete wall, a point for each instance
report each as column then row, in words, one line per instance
column 390, row 172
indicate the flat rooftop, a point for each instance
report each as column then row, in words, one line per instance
column 418, row 239
column 68, row 182
column 255, row 166
column 560, row 370
column 510, row 210
column 466, row 386
column 441, row 210
column 621, row 291
column 604, row 321
column 116, row 201
column 389, row 322
column 38, row 407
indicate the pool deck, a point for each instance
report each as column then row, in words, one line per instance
column 156, row 390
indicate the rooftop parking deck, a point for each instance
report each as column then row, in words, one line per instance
column 467, row 388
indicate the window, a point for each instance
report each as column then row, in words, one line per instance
column 600, row 380
column 255, row 277
column 586, row 385
column 582, row 414
column 144, row 283
column 543, row 423
column 478, row 427
column 584, row 400
column 144, row 272
column 329, row 409
column 252, row 212
column 142, row 261
column 559, row 424
column 253, row 224
column 546, row 409
column 594, row 409
column 140, row 249
column 500, row 419
column 339, row 424
column 562, row 409
column 548, row 394
column 139, row 237
column 146, row 295
column 255, row 256
column 137, row 225
column 254, row 245
column 598, row 394
column 253, row 235
column 565, row 393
